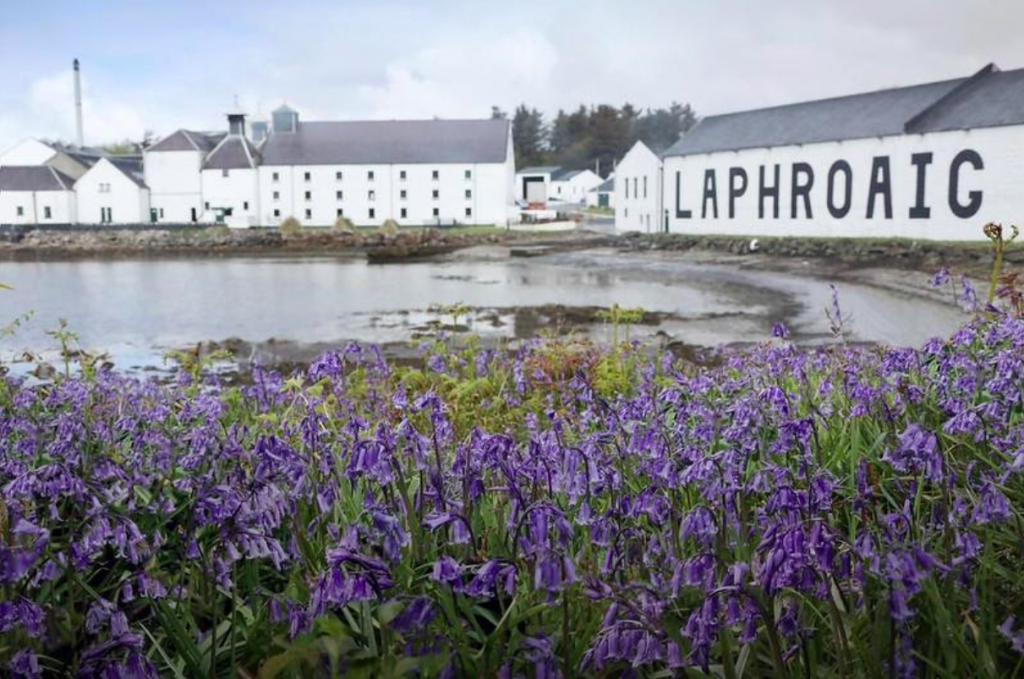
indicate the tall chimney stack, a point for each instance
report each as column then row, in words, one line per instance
column 78, row 105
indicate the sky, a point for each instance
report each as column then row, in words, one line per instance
column 159, row 66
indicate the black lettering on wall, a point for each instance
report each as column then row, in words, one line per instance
column 840, row 166
column 736, row 189
column 710, row 194
column 769, row 192
column 920, row 161
column 881, row 184
column 971, row 207
column 803, row 180
column 680, row 212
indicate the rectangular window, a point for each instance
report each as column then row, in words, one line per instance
column 309, row 214
column 21, row 211
column 436, row 175
column 47, row 213
column 309, row 195
column 402, row 175
column 245, row 206
column 372, row 195
column 373, row 213
column 469, row 174
column 636, row 193
column 337, row 176
column 275, row 177
column 437, row 213
column 437, row 194
column 161, row 213
column 645, row 186
column 405, row 213
column 277, row 195
column 469, row 194
column 308, row 176
column 403, row 194
column 104, row 188
column 627, row 188
column 277, row 214
column 206, row 205
column 469, row 212
column 224, row 173
column 369, row 175
column 340, row 212
column 106, row 215
column 337, row 194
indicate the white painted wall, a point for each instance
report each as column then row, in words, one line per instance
column 1001, row 184
column 484, row 196
column 104, row 186
column 237, row 190
column 574, row 190
column 175, row 184
column 27, row 152
column 34, row 206
column 638, row 198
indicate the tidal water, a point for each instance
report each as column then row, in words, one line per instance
column 136, row 310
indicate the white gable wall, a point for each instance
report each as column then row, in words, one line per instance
column 33, row 207
column 175, row 184
column 106, row 187
column 1000, row 182
column 234, row 190
column 28, row 152
column 638, row 194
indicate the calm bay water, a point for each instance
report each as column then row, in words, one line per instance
column 138, row 309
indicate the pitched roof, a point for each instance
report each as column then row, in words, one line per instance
column 607, row 186
column 393, row 141
column 541, row 169
column 188, row 140
column 131, row 167
column 988, row 98
column 234, row 152
column 33, row 178
column 567, row 175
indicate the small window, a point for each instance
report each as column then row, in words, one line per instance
column 337, row 194
column 403, row 194
column 309, row 214
column 206, row 206
column 627, row 188
column 308, row 176
column 224, row 173
column 469, row 174
column 47, row 213
column 369, row 175
column 405, row 213
column 469, row 194
column 21, row 211
column 337, row 176
column 402, row 175
column 309, row 195
column 437, row 194
column 372, row 195
column 275, row 177
column 437, row 213
column 277, row 195
column 645, row 186
column 373, row 213
column 277, row 214
column 104, row 188
column 436, row 175
column 161, row 213
column 245, row 206
column 340, row 212
column 469, row 212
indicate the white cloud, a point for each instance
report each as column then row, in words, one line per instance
column 51, row 103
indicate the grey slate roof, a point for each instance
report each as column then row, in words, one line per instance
column 988, row 98
column 231, row 154
column 541, row 169
column 188, row 140
column 565, row 176
column 131, row 167
column 33, row 178
column 607, row 186
column 393, row 141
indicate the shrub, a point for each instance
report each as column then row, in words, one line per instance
column 343, row 225
column 389, row 227
column 291, row 226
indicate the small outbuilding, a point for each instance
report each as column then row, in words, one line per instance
column 603, row 195
column 36, row 194
column 573, row 186
column 113, row 192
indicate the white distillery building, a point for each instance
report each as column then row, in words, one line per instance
column 603, row 195
column 36, row 194
column 533, row 184
column 638, row 191
column 173, row 172
column 573, row 186
column 112, row 191
column 931, row 161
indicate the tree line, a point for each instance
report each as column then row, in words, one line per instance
column 593, row 137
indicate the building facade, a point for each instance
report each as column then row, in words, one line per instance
column 573, row 186
column 638, row 191
column 36, row 194
column 173, row 172
column 933, row 161
column 112, row 191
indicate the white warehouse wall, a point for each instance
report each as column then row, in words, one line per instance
column 239, row 191
column 999, row 185
column 127, row 201
column 34, row 204
column 638, row 198
column 175, row 184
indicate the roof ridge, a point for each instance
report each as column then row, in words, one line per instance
column 963, row 89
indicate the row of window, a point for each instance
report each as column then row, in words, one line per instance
column 370, row 175
column 636, row 189
column 372, row 213
column 372, row 195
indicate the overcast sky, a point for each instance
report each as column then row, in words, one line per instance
column 160, row 66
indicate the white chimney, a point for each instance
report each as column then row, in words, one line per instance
column 78, row 105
